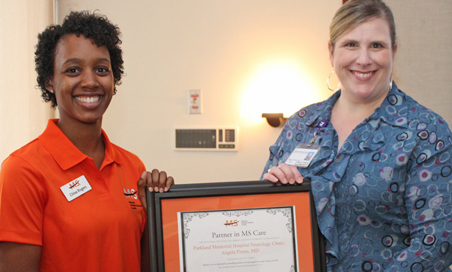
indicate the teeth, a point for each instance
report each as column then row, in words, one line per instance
column 88, row 99
column 363, row 75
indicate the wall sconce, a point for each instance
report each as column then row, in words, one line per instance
column 275, row 119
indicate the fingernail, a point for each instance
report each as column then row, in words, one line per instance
column 284, row 181
column 166, row 189
column 161, row 190
column 156, row 189
column 150, row 189
column 143, row 175
column 299, row 180
column 291, row 181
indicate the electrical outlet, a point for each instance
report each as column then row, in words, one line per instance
column 195, row 101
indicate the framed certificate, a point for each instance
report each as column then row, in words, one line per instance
column 234, row 226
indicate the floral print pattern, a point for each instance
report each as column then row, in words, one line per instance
column 384, row 200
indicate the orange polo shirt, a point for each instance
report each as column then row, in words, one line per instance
column 99, row 230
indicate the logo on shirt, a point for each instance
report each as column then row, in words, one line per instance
column 131, row 194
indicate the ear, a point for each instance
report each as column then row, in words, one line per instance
column 331, row 50
column 49, row 84
column 394, row 51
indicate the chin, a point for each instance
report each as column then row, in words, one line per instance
column 91, row 120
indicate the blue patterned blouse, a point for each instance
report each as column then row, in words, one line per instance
column 384, row 200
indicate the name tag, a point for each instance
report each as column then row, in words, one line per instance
column 303, row 155
column 75, row 188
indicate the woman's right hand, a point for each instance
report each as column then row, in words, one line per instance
column 284, row 173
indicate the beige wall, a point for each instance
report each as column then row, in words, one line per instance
column 175, row 45
column 424, row 60
column 23, row 115
column 218, row 46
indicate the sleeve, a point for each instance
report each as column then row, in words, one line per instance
column 274, row 158
column 142, row 168
column 22, row 201
column 428, row 200
column 135, row 168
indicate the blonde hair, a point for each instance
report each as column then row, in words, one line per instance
column 356, row 12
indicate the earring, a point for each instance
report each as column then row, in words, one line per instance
column 328, row 83
column 390, row 83
column 51, row 91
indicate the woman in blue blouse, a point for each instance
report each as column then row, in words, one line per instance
column 381, row 175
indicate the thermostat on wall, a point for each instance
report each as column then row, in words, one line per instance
column 210, row 139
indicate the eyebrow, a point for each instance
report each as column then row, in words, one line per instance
column 373, row 42
column 77, row 60
column 349, row 40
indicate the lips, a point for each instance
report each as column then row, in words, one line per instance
column 88, row 99
column 363, row 75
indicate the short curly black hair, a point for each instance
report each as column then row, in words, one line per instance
column 91, row 25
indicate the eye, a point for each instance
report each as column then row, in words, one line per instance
column 350, row 44
column 377, row 45
column 72, row 71
column 102, row 70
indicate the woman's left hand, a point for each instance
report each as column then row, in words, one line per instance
column 155, row 181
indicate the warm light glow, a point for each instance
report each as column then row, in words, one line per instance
column 277, row 87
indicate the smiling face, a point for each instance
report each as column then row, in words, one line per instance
column 362, row 59
column 83, row 81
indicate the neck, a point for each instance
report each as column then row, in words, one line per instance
column 357, row 109
column 348, row 114
column 350, row 111
column 86, row 137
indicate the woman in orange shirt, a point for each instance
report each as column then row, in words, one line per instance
column 71, row 200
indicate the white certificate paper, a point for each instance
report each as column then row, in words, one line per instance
column 262, row 239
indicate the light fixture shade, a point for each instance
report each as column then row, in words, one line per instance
column 275, row 119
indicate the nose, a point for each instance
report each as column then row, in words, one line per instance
column 364, row 58
column 89, row 80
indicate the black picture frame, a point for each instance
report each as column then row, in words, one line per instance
column 154, row 254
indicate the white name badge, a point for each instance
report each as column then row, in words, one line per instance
column 303, row 155
column 75, row 188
